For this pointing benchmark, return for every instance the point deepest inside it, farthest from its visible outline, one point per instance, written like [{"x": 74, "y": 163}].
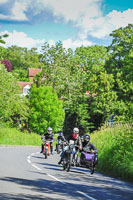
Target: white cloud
[
  {"x": 22, "y": 40},
  {"x": 86, "y": 15},
  {"x": 73, "y": 10},
  {"x": 51, "y": 43},
  {"x": 3, "y": 1},
  {"x": 102, "y": 26},
  {"x": 18, "y": 11},
  {"x": 76, "y": 43},
  {"x": 120, "y": 19}
]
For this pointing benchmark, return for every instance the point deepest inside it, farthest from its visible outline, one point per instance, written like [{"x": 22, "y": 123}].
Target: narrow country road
[{"x": 25, "y": 174}]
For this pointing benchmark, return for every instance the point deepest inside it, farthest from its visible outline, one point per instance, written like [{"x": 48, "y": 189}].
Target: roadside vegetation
[
  {"x": 13, "y": 136},
  {"x": 115, "y": 150}
]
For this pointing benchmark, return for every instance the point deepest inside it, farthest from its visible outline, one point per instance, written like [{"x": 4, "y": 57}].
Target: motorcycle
[
  {"x": 87, "y": 160},
  {"x": 70, "y": 156},
  {"x": 46, "y": 150},
  {"x": 59, "y": 146}
]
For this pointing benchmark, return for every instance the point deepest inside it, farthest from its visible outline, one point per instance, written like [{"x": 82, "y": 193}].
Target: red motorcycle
[{"x": 46, "y": 150}]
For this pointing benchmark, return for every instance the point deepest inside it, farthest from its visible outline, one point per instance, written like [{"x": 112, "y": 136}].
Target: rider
[
  {"x": 77, "y": 142},
  {"x": 60, "y": 137},
  {"x": 50, "y": 137},
  {"x": 87, "y": 146}
]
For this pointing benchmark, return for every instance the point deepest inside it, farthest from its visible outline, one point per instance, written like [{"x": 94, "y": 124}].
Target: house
[
  {"x": 33, "y": 72},
  {"x": 25, "y": 86}
]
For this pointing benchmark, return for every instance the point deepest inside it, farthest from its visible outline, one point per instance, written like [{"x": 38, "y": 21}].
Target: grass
[
  {"x": 12, "y": 136},
  {"x": 115, "y": 151}
]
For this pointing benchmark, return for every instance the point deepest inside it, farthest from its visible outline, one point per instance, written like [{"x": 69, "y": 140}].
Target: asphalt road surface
[{"x": 25, "y": 174}]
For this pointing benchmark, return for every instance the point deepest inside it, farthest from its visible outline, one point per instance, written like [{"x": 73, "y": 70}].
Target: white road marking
[
  {"x": 84, "y": 194},
  {"x": 28, "y": 161},
  {"x": 56, "y": 178},
  {"x": 35, "y": 166}
]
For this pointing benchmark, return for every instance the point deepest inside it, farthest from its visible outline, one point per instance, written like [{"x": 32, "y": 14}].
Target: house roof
[
  {"x": 33, "y": 72},
  {"x": 22, "y": 84}
]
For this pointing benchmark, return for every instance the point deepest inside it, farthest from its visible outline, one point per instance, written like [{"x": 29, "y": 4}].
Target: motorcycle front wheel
[{"x": 46, "y": 154}]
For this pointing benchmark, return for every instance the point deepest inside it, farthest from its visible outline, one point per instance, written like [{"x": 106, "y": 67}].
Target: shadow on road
[{"x": 45, "y": 187}]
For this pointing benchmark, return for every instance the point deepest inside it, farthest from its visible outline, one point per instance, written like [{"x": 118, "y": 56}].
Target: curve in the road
[{"x": 33, "y": 165}]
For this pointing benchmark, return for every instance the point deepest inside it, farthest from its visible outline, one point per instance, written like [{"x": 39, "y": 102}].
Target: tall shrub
[{"x": 45, "y": 110}]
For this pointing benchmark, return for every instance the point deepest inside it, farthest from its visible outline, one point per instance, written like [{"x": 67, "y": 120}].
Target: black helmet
[{"x": 87, "y": 137}]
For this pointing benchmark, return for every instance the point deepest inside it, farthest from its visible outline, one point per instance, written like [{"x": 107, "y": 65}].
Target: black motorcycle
[
  {"x": 70, "y": 158},
  {"x": 59, "y": 146}
]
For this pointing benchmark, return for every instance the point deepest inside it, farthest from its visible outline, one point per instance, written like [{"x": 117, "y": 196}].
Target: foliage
[
  {"x": 71, "y": 75},
  {"x": 2, "y": 38},
  {"x": 115, "y": 152},
  {"x": 120, "y": 64},
  {"x": 7, "y": 64},
  {"x": 104, "y": 72},
  {"x": 12, "y": 105},
  {"x": 45, "y": 110},
  {"x": 12, "y": 136},
  {"x": 22, "y": 59}
]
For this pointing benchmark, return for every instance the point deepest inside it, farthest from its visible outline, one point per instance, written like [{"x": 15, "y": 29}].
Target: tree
[
  {"x": 45, "y": 110},
  {"x": 22, "y": 59},
  {"x": 7, "y": 64},
  {"x": 13, "y": 107},
  {"x": 120, "y": 64}
]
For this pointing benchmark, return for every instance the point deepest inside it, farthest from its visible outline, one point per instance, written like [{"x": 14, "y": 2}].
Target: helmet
[
  {"x": 75, "y": 133},
  {"x": 75, "y": 130},
  {"x": 87, "y": 138},
  {"x": 49, "y": 130},
  {"x": 60, "y": 134}
]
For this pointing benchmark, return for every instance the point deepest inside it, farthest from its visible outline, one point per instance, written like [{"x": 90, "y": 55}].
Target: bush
[
  {"x": 7, "y": 64},
  {"x": 46, "y": 110},
  {"x": 115, "y": 151}
]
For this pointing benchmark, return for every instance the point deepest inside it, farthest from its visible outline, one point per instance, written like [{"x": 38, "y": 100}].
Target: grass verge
[{"x": 115, "y": 151}]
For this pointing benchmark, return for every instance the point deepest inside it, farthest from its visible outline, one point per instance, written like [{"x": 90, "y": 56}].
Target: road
[{"x": 25, "y": 174}]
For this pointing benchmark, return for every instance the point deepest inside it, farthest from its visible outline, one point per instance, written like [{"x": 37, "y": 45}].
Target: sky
[{"x": 31, "y": 23}]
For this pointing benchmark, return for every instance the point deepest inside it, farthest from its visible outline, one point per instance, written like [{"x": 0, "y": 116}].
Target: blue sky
[{"x": 30, "y": 23}]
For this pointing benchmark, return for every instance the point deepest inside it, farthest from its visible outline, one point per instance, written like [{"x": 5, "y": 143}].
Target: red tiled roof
[
  {"x": 23, "y": 84},
  {"x": 33, "y": 72}
]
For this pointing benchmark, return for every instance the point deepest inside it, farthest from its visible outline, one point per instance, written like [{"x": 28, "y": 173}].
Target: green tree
[
  {"x": 22, "y": 59},
  {"x": 13, "y": 106},
  {"x": 45, "y": 110},
  {"x": 120, "y": 64}
]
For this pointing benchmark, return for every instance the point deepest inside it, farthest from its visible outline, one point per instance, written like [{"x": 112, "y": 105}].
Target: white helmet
[
  {"x": 49, "y": 129},
  {"x": 75, "y": 130}
]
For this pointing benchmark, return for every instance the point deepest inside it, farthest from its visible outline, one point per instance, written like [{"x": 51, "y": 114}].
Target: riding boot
[
  {"x": 60, "y": 161},
  {"x": 42, "y": 148},
  {"x": 51, "y": 148}
]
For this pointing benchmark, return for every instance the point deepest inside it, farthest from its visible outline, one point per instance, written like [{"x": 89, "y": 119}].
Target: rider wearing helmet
[
  {"x": 61, "y": 136},
  {"x": 87, "y": 146},
  {"x": 77, "y": 142},
  {"x": 48, "y": 136}
]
